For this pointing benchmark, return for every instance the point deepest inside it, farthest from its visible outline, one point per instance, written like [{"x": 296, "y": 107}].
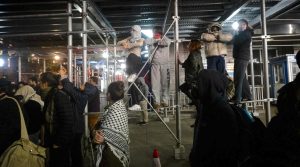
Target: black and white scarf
[{"x": 114, "y": 125}]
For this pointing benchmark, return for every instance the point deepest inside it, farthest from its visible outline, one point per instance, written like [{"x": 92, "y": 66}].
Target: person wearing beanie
[
  {"x": 160, "y": 74},
  {"x": 134, "y": 45},
  {"x": 241, "y": 55},
  {"x": 215, "y": 47}
]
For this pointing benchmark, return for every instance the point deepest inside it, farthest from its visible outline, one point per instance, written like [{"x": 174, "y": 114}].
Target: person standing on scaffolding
[
  {"x": 134, "y": 45},
  {"x": 160, "y": 75}
]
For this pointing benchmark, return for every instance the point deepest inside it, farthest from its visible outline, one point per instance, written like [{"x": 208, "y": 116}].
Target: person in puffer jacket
[{"x": 215, "y": 47}]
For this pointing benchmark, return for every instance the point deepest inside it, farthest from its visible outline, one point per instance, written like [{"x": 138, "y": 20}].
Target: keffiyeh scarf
[{"x": 114, "y": 125}]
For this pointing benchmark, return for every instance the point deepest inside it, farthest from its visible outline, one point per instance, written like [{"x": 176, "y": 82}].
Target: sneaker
[
  {"x": 131, "y": 78},
  {"x": 163, "y": 104},
  {"x": 135, "y": 108},
  {"x": 142, "y": 123}
]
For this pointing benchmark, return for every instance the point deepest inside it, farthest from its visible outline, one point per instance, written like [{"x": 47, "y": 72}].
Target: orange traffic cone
[{"x": 156, "y": 160}]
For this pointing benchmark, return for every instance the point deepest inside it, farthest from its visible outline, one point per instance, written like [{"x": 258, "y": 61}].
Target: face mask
[{"x": 157, "y": 36}]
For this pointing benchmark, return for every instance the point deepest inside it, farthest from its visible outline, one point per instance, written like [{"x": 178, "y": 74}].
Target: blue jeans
[
  {"x": 242, "y": 89},
  {"x": 216, "y": 63}
]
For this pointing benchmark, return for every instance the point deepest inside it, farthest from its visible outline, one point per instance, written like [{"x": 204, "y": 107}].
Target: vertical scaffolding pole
[
  {"x": 70, "y": 42},
  {"x": 84, "y": 63},
  {"x": 19, "y": 68},
  {"x": 75, "y": 72},
  {"x": 115, "y": 56},
  {"x": 179, "y": 150},
  {"x": 44, "y": 65},
  {"x": 266, "y": 61},
  {"x": 107, "y": 59},
  {"x": 252, "y": 77}
]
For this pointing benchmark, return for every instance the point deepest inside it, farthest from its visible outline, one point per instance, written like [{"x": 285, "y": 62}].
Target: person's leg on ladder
[
  {"x": 165, "y": 82},
  {"x": 155, "y": 82}
]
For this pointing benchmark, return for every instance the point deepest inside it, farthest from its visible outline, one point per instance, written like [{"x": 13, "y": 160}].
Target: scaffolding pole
[
  {"x": 179, "y": 149},
  {"x": 252, "y": 77},
  {"x": 19, "y": 68},
  {"x": 84, "y": 64},
  {"x": 107, "y": 63},
  {"x": 266, "y": 64},
  {"x": 70, "y": 42},
  {"x": 44, "y": 65},
  {"x": 115, "y": 56}
]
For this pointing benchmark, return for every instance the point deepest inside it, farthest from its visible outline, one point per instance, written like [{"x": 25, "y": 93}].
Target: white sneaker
[
  {"x": 131, "y": 78},
  {"x": 135, "y": 108}
]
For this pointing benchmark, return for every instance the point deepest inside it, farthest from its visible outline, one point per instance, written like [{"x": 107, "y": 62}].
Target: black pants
[
  {"x": 242, "y": 89},
  {"x": 76, "y": 153},
  {"x": 60, "y": 157},
  {"x": 133, "y": 64}
]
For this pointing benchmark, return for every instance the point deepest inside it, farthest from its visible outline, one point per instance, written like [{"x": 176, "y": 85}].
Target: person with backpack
[{"x": 59, "y": 120}]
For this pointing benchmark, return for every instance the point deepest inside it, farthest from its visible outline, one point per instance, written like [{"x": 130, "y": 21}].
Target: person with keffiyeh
[{"x": 111, "y": 132}]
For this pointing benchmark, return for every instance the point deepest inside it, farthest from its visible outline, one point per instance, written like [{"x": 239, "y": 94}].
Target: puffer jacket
[{"x": 216, "y": 46}]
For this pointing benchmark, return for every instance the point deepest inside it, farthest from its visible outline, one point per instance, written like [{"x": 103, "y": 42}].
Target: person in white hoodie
[{"x": 215, "y": 47}]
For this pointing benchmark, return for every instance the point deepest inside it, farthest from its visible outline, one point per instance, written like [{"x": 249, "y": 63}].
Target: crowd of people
[{"x": 53, "y": 107}]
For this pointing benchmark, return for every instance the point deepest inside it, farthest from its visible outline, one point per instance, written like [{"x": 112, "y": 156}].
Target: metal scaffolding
[{"x": 266, "y": 60}]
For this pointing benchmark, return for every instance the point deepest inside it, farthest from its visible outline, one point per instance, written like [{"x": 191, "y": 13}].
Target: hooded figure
[
  {"x": 33, "y": 106},
  {"x": 215, "y": 47},
  {"x": 216, "y": 129}
]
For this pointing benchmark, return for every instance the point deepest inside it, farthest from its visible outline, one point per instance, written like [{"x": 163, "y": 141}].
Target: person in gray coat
[{"x": 160, "y": 75}]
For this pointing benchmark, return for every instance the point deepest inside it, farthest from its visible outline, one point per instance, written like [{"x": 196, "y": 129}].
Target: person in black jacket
[
  {"x": 241, "y": 55},
  {"x": 192, "y": 67},
  {"x": 90, "y": 88},
  {"x": 9, "y": 117},
  {"x": 216, "y": 129},
  {"x": 79, "y": 100},
  {"x": 59, "y": 118}
]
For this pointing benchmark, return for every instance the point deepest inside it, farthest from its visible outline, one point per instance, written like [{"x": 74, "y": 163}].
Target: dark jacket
[
  {"x": 35, "y": 116},
  {"x": 241, "y": 44},
  {"x": 93, "y": 94},
  {"x": 282, "y": 146},
  {"x": 216, "y": 129},
  {"x": 192, "y": 65},
  {"x": 79, "y": 101},
  {"x": 9, "y": 123},
  {"x": 59, "y": 129}
]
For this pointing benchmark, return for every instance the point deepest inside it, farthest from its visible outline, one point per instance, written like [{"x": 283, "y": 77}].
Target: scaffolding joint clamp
[
  {"x": 176, "y": 17},
  {"x": 266, "y": 37}
]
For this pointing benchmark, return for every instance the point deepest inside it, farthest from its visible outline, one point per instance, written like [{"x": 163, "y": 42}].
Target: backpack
[{"x": 23, "y": 152}]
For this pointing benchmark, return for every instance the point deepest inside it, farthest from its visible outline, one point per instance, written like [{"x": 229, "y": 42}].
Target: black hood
[{"x": 210, "y": 86}]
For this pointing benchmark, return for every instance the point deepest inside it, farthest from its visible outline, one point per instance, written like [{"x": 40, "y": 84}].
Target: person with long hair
[
  {"x": 192, "y": 65},
  {"x": 112, "y": 134},
  {"x": 241, "y": 55}
]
